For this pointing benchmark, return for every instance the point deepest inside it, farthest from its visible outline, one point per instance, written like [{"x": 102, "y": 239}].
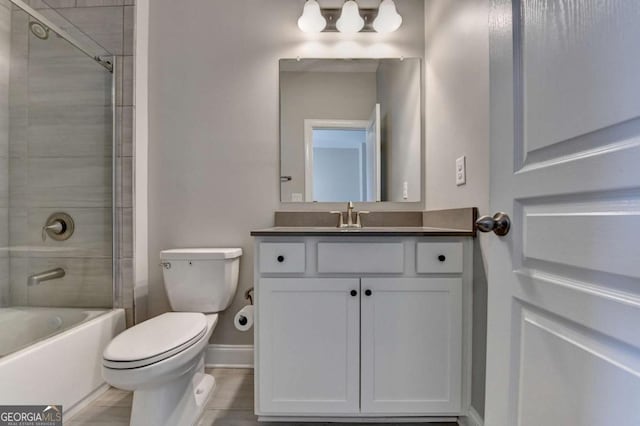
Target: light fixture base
[{"x": 332, "y": 15}]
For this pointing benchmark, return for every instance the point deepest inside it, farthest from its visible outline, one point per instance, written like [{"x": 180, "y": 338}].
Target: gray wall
[
  {"x": 213, "y": 111},
  {"x": 400, "y": 128},
  {"x": 457, "y": 111},
  {"x": 335, "y": 95}
]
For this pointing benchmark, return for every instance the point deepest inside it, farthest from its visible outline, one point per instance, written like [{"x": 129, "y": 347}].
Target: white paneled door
[{"x": 564, "y": 284}]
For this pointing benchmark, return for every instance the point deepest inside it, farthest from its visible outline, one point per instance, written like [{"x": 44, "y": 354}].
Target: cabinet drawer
[
  {"x": 439, "y": 257},
  {"x": 282, "y": 258},
  {"x": 383, "y": 258}
]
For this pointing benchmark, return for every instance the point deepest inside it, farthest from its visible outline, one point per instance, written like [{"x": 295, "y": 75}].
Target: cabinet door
[
  {"x": 411, "y": 345},
  {"x": 308, "y": 342}
]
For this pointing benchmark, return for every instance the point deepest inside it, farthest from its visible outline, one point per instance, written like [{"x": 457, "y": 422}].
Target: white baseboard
[
  {"x": 229, "y": 356},
  {"x": 472, "y": 419},
  {"x": 68, "y": 414}
]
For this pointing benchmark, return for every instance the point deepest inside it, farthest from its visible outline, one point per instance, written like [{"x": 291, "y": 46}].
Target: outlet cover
[{"x": 461, "y": 171}]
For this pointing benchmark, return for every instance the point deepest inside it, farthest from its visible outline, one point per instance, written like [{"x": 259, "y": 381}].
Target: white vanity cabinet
[{"x": 362, "y": 327}]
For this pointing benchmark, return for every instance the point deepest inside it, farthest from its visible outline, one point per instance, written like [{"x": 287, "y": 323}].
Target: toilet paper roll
[{"x": 244, "y": 318}]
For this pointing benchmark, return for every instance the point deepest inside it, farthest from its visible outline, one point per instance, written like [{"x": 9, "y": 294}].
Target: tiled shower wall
[{"x": 61, "y": 159}]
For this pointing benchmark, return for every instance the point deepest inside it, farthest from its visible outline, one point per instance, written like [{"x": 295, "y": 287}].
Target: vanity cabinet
[
  {"x": 357, "y": 327},
  {"x": 411, "y": 338}
]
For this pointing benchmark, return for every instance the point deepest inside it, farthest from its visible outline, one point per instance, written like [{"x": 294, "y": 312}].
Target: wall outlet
[
  {"x": 296, "y": 197},
  {"x": 405, "y": 190},
  {"x": 461, "y": 171}
]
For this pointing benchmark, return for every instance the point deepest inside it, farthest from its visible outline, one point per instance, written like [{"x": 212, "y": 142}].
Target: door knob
[{"x": 499, "y": 224}]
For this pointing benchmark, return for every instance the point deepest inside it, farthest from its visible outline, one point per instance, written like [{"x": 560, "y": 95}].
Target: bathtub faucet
[{"x": 51, "y": 274}]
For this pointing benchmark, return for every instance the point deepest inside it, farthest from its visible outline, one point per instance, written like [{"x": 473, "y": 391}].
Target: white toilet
[{"x": 162, "y": 360}]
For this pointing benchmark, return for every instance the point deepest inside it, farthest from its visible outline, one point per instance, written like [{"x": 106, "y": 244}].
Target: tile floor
[{"x": 230, "y": 405}]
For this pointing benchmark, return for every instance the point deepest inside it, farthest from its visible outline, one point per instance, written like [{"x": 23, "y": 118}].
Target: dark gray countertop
[{"x": 399, "y": 231}]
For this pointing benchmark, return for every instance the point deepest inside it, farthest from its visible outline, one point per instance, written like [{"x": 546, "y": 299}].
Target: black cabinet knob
[
  {"x": 442, "y": 258},
  {"x": 367, "y": 292},
  {"x": 280, "y": 258},
  {"x": 354, "y": 293}
]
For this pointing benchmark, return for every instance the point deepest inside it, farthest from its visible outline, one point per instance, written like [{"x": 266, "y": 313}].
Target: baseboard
[
  {"x": 229, "y": 356},
  {"x": 69, "y": 413},
  {"x": 472, "y": 419}
]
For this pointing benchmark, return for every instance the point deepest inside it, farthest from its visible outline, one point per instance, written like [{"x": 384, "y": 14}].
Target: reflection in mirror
[{"x": 350, "y": 130}]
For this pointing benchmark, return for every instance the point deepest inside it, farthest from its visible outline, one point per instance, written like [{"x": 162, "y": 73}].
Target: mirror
[{"x": 350, "y": 130}]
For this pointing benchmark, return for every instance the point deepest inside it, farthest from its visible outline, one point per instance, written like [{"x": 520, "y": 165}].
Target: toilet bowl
[{"x": 162, "y": 359}]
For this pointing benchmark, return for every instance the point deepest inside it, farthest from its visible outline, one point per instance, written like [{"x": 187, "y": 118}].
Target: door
[
  {"x": 411, "y": 345},
  {"x": 564, "y": 283},
  {"x": 373, "y": 156},
  {"x": 308, "y": 337}
]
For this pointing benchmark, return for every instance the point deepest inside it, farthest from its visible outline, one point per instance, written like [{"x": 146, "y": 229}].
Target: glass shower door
[{"x": 56, "y": 124}]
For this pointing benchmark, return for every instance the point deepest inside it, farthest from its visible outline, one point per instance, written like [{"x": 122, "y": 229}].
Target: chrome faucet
[
  {"x": 51, "y": 274},
  {"x": 351, "y": 223}
]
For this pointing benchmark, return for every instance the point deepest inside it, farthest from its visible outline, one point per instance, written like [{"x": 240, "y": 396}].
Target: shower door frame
[{"x": 110, "y": 63}]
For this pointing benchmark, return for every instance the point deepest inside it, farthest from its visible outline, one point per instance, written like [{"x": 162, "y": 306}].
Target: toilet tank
[{"x": 200, "y": 279}]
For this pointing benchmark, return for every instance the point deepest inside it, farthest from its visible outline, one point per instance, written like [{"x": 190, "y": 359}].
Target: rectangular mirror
[{"x": 350, "y": 130}]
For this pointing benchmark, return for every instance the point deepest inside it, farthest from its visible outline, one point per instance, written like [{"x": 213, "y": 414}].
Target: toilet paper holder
[
  {"x": 240, "y": 318},
  {"x": 249, "y": 295}
]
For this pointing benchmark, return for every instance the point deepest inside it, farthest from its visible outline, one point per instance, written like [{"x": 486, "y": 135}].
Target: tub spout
[{"x": 51, "y": 274}]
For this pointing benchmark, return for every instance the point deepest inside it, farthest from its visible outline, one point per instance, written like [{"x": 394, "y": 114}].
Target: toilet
[{"x": 162, "y": 359}]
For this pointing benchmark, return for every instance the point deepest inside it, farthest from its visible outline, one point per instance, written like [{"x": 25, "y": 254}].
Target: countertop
[{"x": 389, "y": 231}]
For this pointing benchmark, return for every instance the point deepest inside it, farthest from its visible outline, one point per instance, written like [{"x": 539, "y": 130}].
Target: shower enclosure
[{"x": 57, "y": 151}]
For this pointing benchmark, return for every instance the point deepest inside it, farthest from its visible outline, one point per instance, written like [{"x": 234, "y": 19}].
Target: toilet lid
[{"x": 155, "y": 339}]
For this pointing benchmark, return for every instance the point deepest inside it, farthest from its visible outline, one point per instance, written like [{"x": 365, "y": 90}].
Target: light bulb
[
  {"x": 388, "y": 19},
  {"x": 311, "y": 20},
  {"x": 350, "y": 20}
]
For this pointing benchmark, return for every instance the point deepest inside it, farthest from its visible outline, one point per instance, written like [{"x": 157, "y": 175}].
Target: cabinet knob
[
  {"x": 442, "y": 258},
  {"x": 354, "y": 293},
  {"x": 367, "y": 292},
  {"x": 280, "y": 258}
]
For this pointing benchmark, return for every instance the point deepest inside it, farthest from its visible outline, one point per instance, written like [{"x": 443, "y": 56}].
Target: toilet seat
[{"x": 155, "y": 340}]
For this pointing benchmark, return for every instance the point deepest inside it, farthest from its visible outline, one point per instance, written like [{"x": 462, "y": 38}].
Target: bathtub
[{"x": 63, "y": 366}]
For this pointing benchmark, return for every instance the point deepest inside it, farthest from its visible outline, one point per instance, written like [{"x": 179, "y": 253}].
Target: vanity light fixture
[
  {"x": 388, "y": 19},
  {"x": 311, "y": 20},
  {"x": 349, "y": 19}
]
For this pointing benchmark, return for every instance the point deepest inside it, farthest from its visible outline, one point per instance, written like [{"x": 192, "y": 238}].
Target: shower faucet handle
[{"x": 59, "y": 226}]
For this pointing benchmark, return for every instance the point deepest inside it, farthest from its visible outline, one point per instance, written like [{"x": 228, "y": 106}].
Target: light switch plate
[{"x": 461, "y": 171}]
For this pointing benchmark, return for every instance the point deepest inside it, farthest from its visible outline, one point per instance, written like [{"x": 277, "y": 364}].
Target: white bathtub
[{"x": 64, "y": 365}]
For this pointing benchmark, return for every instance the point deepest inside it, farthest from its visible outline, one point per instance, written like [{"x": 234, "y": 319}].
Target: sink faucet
[
  {"x": 51, "y": 274},
  {"x": 350, "y": 217}
]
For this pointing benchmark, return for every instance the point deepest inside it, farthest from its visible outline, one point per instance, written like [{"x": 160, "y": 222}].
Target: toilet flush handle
[{"x": 166, "y": 265}]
